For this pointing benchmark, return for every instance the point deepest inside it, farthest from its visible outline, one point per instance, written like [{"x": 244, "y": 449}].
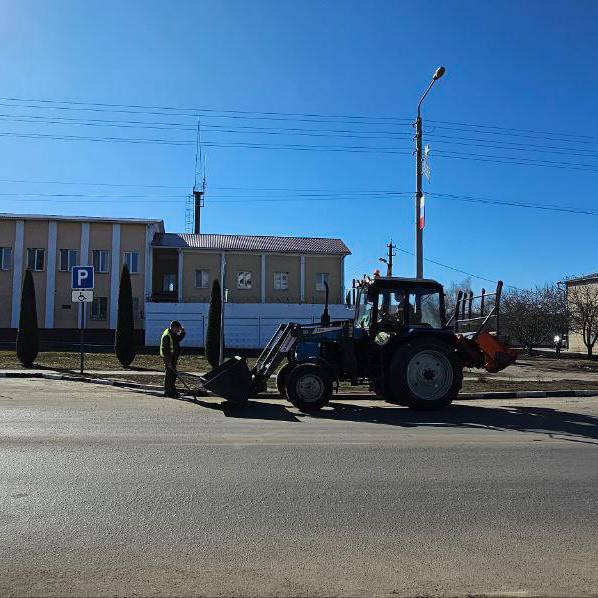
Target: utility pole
[
  {"x": 419, "y": 194},
  {"x": 388, "y": 260},
  {"x": 391, "y": 254}
]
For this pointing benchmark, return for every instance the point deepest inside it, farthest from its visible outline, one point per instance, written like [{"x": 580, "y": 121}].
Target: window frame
[
  {"x": 98, "y": 270},
  {"x": 3, "y": 261},
  {"x": 244, "y": 280},
  {"x": 98, "y": 317},
  {"x": 69, "y": 253},
  {"x": 37, "y": 251},
  {"x": 131, "y": 253},
  {"x": 204, "y": 273},
  {"x": 279, "y": 277}
]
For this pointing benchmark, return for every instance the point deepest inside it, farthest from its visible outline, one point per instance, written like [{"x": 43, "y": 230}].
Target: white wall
[{"x": 246, "y": 326}]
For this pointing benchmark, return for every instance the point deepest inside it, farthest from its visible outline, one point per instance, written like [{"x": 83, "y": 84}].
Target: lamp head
[{"x": 439, "y": 72}]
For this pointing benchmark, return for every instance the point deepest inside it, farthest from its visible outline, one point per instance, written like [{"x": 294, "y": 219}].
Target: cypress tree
[
  {"x": 28, "y": 334},
  {"x": 212, "y": 349},
  {"x": 124, "y": 337}
]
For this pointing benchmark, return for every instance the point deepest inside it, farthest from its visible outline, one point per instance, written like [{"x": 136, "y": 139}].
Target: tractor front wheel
[
  {"x": 425, "y": 375},
  {"x": 308, "y": 386}
]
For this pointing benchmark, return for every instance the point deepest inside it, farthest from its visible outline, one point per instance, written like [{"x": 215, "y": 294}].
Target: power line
[
  {"x": 507, "y": 129},
  {"x": 455, "y": 269},
  {"x": 498, "y": 202},
  {"x": 290, "y": 131},
  {"x": 194, "y": 112}
]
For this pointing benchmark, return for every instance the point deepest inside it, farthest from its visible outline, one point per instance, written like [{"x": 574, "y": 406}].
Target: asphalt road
[{"x": 108, "y": 492}]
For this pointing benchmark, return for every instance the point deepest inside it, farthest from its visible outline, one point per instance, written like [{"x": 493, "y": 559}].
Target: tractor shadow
[
  {"x": 552, "y": 422},
  {"x": 250, "y": 410}
]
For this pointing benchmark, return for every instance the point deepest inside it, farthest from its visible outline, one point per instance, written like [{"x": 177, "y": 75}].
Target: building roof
[
  {"x": 82, "y": 219},
  {"x": 248, "y": 243},
  {"x": 583, "y": 278}
]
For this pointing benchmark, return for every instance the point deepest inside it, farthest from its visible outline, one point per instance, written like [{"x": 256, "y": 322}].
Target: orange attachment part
[{"x": 497, "y": 356}]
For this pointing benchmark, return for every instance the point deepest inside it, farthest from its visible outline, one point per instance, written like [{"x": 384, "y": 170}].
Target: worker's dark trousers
[{"x": 170, "y": 376}]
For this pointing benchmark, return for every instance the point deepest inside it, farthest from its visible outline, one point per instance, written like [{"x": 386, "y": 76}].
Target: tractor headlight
[{"x": 382, "y": 338}]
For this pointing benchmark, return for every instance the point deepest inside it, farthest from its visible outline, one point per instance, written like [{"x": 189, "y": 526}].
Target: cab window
[
  {"x": 424, "y": 308},
  {"x": 364, "y": 310}
]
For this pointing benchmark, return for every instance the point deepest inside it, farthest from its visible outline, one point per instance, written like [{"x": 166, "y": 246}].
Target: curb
[
  {"x": 82, "y": 378},
  {"x": 522, "y": 394}
]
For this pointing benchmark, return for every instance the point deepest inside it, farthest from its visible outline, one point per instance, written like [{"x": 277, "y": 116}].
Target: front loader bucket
[
  {"x": 497, "y": 355},
  {"x": 486, "y": 351},
  {"x": 231, "y": 380}
]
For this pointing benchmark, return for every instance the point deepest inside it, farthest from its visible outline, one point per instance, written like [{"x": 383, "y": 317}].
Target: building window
[
  {"x": 131, "y": 259},
  {"x": 99, "y": 308},
  {"x": 35, "y": 259},
  {"x": 5, "y": 258},
  {"x": 244, "y": 280},
  {"x": 281, "y": 281},
  {"x": 169, "y": 283},
  {"x": 100, "y": 258},
  {"x": 321, "y": 278},
  {"x": 202, "y": 278},
  {"x": 68, "y": 259}
]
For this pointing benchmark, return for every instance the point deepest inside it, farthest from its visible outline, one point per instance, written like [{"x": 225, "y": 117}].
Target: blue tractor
[{"x": 399, "y": 343}]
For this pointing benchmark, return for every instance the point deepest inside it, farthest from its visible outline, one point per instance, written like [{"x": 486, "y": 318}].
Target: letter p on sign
[{"x": 82, "y": 277}]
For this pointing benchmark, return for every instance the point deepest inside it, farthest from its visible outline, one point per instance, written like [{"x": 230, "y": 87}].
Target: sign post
[{"x": 82, "y": 283}]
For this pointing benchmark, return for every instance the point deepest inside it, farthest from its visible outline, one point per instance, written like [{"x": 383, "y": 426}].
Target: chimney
[{"x": 197, "y": 199}]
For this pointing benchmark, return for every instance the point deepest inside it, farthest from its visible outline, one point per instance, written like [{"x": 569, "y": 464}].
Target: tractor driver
[
  {"x": 170, "y": 350},
  {"x": 390, "y": 308}
]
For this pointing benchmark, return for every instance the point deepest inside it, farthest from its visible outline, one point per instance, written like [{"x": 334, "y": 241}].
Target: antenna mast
[{"x": 198, "y": 192}]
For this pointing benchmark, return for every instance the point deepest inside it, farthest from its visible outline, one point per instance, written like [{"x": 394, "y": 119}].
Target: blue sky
[{"x": 520, "y": 66}]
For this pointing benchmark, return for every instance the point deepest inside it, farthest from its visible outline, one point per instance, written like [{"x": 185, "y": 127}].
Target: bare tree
[
  {"x": 450, "y": 294},
  {"x": 532, "y": 316},
  {"x": 583, "y": 313}
]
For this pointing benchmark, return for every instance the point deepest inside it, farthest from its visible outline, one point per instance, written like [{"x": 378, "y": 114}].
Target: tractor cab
[{"x": 397, "y": 305}]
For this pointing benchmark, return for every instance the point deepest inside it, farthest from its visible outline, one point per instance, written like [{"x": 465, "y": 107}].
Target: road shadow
[
  {"x": 542, "y": 420},
  {"x": 250, "y": 410},
  {"x": 554, "y": 423}
]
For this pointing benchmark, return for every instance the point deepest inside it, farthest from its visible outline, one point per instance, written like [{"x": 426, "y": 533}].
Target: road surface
[{"x": 109, "y": 492}]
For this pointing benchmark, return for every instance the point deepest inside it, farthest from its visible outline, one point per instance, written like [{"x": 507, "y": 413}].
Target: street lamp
[{"x": 419, "y": 224}]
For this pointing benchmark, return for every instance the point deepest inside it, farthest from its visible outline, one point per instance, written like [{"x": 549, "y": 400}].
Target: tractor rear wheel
[
  {"x": 425, "y": 374},
  {"x": 309, "y": 386}
]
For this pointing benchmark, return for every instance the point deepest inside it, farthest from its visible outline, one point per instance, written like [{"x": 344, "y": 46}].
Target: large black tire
[
  {"x": 425, "y": 375},
  {"x": 281, "y": 379},
  {"x": 309, "y": 386}
]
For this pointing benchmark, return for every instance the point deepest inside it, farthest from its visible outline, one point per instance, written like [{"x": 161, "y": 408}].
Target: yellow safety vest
[{"x": 169, "y": 335}]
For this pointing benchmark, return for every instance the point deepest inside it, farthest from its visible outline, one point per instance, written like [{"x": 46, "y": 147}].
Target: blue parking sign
[{"x": 82, "y": 277}]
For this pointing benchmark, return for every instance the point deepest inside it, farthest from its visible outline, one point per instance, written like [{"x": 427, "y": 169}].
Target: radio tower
[{"x": 198, "y": 191}]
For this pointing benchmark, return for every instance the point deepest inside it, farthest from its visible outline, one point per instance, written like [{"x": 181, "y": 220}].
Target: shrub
[{"x": 28, "y": 334}]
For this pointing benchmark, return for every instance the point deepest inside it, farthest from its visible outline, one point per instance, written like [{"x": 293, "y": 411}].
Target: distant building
[
  {"x": 575, "y": 339},
  {"x": 268, "y": 279}
]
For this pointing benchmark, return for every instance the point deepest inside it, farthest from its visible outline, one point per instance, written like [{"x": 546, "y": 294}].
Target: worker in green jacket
[{"x": 170, "y": 350}]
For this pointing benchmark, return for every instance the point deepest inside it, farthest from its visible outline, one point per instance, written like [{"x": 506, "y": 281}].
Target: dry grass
[{"x": 101, "y": 361}]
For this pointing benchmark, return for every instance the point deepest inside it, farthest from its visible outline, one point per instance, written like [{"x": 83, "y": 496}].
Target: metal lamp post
[{"x": 419, "y": 231}]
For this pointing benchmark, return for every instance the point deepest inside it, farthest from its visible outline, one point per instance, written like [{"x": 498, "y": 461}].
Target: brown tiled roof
[{"x": 252, "y": 243}]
